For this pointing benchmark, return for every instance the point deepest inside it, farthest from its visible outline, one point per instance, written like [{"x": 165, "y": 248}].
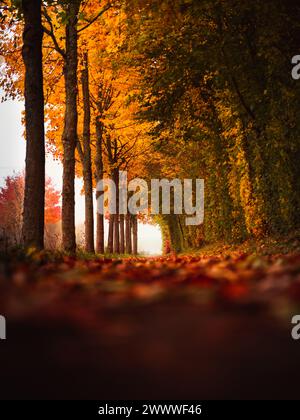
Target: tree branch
[
  {"x": 80, "y": 150},
  {"x": 90, "y": 22},
  {"x": 50, "y": 32}
]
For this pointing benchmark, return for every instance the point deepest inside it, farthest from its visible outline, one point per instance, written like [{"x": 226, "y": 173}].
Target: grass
[
  {"x": 271, "y": 245},
  {"x": 274, "y": 245}
]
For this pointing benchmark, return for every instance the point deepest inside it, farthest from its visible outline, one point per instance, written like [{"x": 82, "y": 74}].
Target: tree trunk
[
  {"x": 86, "y": 160},
  {"x": 70, "y": 128},
  {"x": 122, "y": 234},
  {"x": 100, "y": 234},
  {"x": 128, "y": 234},
  {"x": 99, "y": 177},
  {"x": 116, "y": 234},
  {"x": 111, "y": 234},
  {"x": 116, "y": 216},
  {"x": 135, "y": 235},
  {"x": 34, "y": 198}
]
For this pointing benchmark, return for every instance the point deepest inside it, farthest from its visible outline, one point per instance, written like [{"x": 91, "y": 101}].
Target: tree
[
  {"x": 69, "y": 139},
  {"x": 85, "y": 155},
  {"x": 217, "y": 86},
  {"x": 109, "y": 87},
  {"x": 128, "y": 236},
  {"x": 99, "y": 173},
  {"x": 135, "y": 235},
  {"x": 102, "y": 104},
  {"x": 70, "y": 13},
  {"x": 11, "y": 210},
  {"x": 33, "y": 220}
]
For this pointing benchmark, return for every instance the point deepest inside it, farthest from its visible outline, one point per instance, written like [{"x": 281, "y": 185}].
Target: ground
[{"x": 187, "y": 327}]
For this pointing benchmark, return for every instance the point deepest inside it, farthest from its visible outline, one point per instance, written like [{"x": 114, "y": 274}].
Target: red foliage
[
  {"x": 52, "y": 203},
  {"x": 162, "y": 319},
  {"x": 11, "y": 201}
]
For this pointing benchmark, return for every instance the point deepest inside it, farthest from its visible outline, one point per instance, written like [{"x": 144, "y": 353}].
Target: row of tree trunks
[
  {"x": 123, "y": 235},
  {"x": 122, "y": 230}
]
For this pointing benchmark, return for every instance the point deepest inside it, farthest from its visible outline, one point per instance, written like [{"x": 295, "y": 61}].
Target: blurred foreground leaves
[{"x": 270, "y": 283}]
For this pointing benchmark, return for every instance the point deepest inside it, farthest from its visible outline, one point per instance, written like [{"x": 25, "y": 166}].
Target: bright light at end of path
[{"x": 150, "y": 239}]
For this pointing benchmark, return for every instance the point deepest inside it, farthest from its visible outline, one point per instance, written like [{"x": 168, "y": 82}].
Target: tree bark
[
  {"x": 34, "y": 198},
  {"x": 116, "y": 216},
  {"x": 122, "y": 234},
  {"x": 116, "y": 234},
  {"x": 99, "y": 177},
  {"x": 135, "y": 235},
  {"x": 86, "y": 160},
  {"x": 70, "y": 128},
  {"x": 111, "y": 234},
  {"x": 100, "y": 234},
  {"x": 128, "y": 234}
]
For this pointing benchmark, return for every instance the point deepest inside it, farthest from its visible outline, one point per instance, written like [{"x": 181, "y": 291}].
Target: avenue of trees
[{"x": 162, "y": 89}]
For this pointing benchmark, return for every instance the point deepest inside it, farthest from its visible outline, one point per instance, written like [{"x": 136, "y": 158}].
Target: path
[{"x": 151, "y": 328}]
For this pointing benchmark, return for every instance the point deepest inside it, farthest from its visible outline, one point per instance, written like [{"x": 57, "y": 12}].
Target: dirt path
[{"x": 186, "y": 328}]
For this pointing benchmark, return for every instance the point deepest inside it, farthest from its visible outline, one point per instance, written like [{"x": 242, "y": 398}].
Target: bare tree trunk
[
  {"x": 70, "y": 128},
  {"x": 116, "y": 216},
  {"x": 128, "y": 234},
  {"x": 122, "y": 234},
  {"x": 100, "y": 234},
  {"x": 135, "y": 235},
  {"x": 86, "y": 160},
  {"x": 34, "y": 199},
  {"x": 116, "y": 234},
  {"x": 99, "y": 177},
  {"x": 111, "y": 234}
]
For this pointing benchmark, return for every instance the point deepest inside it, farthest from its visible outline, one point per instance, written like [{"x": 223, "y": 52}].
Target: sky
[{"x": 12, "y": 160}]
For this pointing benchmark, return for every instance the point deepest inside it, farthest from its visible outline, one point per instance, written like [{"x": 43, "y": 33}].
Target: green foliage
[{"x": 216, "y": 83}]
